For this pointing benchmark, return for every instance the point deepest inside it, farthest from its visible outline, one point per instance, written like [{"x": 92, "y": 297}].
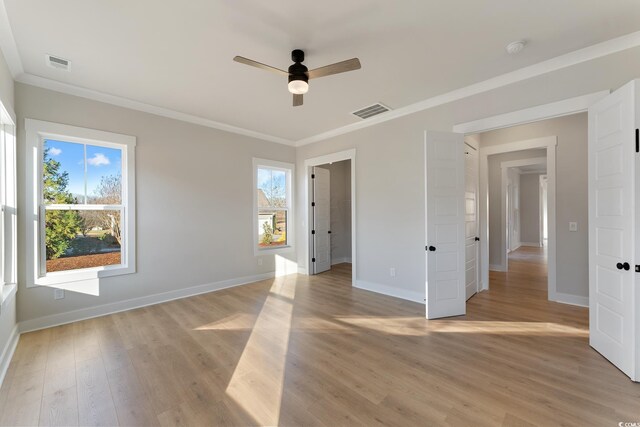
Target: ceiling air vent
[
  {"x": 57, "y": 62},
  {"x": 371, "y": 110}
]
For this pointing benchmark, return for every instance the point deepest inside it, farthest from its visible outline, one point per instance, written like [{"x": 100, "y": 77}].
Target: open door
[
  {"x": 445, "y": 224},
  {"x": 612, "y": 231},
  {"x": 321, "y": 232},
  {"x": 471, "y": 220}
]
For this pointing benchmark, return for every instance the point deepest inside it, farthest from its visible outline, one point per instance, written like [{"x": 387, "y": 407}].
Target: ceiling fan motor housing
[{"x": 298, "y": 71}]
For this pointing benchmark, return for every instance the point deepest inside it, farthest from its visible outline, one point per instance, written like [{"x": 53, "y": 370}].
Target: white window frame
[
  {"x": 289, "y": 169},
  {"x": 36, "y": 133},
  {"x": 8, "y": 207}
]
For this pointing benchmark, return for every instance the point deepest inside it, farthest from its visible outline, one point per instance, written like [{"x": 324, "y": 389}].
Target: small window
[
  {"x": 272, "y": 196},
  {"x": 83, "y": 201}
]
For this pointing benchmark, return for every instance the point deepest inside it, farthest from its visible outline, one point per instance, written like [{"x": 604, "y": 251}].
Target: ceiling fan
[{"x": 299, "y": 74}]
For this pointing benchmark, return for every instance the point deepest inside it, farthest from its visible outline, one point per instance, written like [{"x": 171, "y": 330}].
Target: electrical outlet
[
  {"x": 260, "y": 261},
  {"x": 58, "y": 293},
  {"x": 392, "y": 272},
  {"x": 573, "y": 226}
]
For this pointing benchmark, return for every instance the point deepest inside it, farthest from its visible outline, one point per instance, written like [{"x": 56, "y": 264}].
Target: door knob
[
  {"x": 623, "y": 266},
  {"x": 477, "y": 239},
  {"x": 432, "y": 248}
]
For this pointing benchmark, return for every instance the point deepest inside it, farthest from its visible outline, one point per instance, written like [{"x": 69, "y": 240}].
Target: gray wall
[
  {"x": 571, "y": 193},
  {"x": 8, "y": 312},
  {"x": 340, "y": 210},
  {"x": 530, "y": 208},
  {"x": 497, "y": 248},
  {"x": 194, "y": 201}
]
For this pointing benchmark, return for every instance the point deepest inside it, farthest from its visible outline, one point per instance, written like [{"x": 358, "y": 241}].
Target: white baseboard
[
  {"x": 303, "y": 270},
  {"x": 570, "y": 299},
  {"x": 342, "y": 260},
  {"x": 7, "y": 352},
  {"x": 390, "y": 291},
  {"x": 534, "y": 244},
  {"x": 103, "y": 310},
  {"x": 497, "y": 267},
  {"x": 516, "y": 246}
]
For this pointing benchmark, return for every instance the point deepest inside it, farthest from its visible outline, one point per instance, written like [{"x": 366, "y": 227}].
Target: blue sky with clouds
[{"x": 100, "y": 161}]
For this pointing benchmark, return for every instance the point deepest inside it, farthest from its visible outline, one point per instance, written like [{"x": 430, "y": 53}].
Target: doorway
[
  {"x": 520, "y": 212},
  {"x": 342, "y": 254},
  {"x": 331, "y": 214}
]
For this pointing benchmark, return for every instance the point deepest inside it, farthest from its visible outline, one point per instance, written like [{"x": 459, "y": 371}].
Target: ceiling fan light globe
[{"x": 298, "y": 87}]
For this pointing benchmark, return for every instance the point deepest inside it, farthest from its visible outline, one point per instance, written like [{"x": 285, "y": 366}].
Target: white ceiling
[{"x": 178, "y": 55}]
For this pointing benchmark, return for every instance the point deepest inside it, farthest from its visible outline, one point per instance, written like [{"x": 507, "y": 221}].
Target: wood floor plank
[{"x": 95, "y": 403}]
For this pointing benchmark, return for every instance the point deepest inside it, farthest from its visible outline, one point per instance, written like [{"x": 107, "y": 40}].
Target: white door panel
[
  {"x": 612, "y": 227},
  {"x": 471, "y": 221},
  {"x": 322, "y": 220},
  {"x": 445, "y": 224}
]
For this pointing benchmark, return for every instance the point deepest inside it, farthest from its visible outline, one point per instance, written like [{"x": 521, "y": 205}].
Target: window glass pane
[
  {"x": 272, "y": 228},
  {"x": 272, "y": 188},
  {"x": 63, "y": 172},
  {"x": 104, "y": 175},
  {"x": 82, "y": 239}
]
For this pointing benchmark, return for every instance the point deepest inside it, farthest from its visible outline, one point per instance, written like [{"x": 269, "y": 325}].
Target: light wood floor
[{"x": 314, "y": 351}]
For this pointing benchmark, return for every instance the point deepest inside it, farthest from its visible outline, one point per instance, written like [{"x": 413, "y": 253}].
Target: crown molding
[
  {"x": 554, "y": 64},
  {"x": 69, "y": 89}
]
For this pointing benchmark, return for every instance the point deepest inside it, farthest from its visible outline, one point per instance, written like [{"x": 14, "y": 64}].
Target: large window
[
  {"x": 83, "y": 203},
  {"x": 272, "y": 209}
]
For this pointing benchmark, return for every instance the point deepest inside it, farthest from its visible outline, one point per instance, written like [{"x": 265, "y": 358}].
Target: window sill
[
  {"x": 8, "y": 293},
  {"x": 274, "y": 251},
  {"x": 84, "y": 275}
]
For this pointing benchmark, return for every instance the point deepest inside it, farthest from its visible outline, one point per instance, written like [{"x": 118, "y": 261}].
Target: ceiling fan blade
[
  {"x": 297, "y": 100},
  {"x": 338, "y": 67},
  {"x": 247, "y": 61}
]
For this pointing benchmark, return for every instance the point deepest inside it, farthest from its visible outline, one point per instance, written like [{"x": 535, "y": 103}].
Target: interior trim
[
  {"x": 7, "y": 352},
  {"x": 141, "y": 106}
]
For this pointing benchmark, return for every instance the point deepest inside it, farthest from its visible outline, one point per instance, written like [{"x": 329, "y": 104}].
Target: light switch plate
[{"x": 573, "y": 226}]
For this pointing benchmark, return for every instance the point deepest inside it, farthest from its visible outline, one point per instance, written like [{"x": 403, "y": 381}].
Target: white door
[
  {"x": 445, "y": 222},
  {"x": 321, "y": 220},
  {"x": 612, "y": 160},
  {"x": 471, "y": 220}
]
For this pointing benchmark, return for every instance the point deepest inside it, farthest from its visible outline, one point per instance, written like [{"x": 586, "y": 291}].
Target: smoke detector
[{"x": 516, "y": 47}]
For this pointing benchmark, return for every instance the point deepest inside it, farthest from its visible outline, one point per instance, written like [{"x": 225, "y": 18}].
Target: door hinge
[
  {"x": 313, "y": 231},
  {"x": 313, "y": 203},
  {"x": 637, "y": 268},
  {"x": 313, "y": 176},
  {"x": 637, "y": 140},
  {"x": 313, "y": 260}
]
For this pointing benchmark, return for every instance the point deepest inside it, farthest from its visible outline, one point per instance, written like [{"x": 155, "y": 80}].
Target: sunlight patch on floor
[
  {"x": 257, "y": 381},
  {"x": 234, "y": 322},
  {"x": 507, "y": 328},
  {"x": 416, "y": 326}
]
